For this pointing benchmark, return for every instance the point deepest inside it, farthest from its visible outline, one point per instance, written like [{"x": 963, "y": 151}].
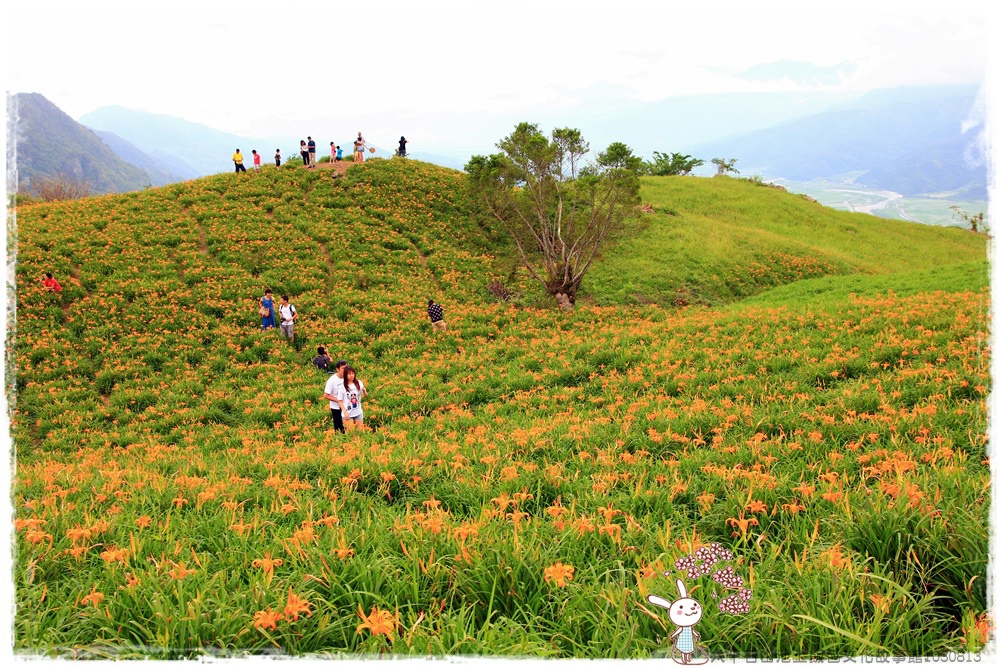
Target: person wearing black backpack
[
  {"x": 288, "y": 315},
  {"x": 322, "y": 360}
]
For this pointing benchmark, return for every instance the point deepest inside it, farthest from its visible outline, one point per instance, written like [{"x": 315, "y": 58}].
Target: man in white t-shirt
[
  {"x": 288, "y": 315},
  {"x": 332, "y": 392}
]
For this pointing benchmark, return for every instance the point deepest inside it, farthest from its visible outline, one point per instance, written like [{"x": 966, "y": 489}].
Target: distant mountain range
[
  {"x": 907, "y": 140},
  {"x": 187, "y": 147},
  {"x": 193, "y": 147},
  {"x": 161, "y": 172},
  {"x": 48, "y": 143}
]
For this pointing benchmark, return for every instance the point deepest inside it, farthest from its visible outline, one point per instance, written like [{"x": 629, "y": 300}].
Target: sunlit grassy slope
[
  {"x": 527, "y": 476},
  {"x": 715, "y": 240}
]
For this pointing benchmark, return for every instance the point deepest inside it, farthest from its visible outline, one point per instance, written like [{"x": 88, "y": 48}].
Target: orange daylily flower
[
  {"x": 267, "y": 564},
  {"x": 705, "y": 499},
  {"x": 267, "y": 619},
  {"x": 794, "y": 507},
  {"x": 34, "y": 536},
  {"x": 76, "y": 552},
  {"x": 112, "y": 555},
  {"x": 378, "y": 622},
  {"x": 95, "y": 598},
  {"x": 78, "y": 534},
  {"x": 559, "y": 574},
  {"x": 295, "y": 606},
  {"x": 180, "y": 572},
  {"x": 742, "y": 523}
]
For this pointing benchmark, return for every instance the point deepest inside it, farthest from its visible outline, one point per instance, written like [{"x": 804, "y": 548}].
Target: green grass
[
  {"x": 713, "y": 241},
  {"x": 167, "y": 448}
]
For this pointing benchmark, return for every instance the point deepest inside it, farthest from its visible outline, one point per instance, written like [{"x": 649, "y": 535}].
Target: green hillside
[
  {"x": 50, "y": 144},
  {"x": 716, "y": 240},
  {"x": 524, "y": 479}
]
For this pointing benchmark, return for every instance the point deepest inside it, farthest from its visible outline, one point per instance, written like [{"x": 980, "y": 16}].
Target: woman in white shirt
[{"x": 351, "y": 393}]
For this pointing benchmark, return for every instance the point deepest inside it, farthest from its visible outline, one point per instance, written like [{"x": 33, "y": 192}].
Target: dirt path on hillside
[{"x": 339, "y": 167}]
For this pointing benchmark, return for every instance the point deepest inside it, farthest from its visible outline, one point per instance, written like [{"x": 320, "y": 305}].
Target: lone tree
[
  {"x": 673, "y": 164},
  {"x": 725, "y": 166},
  {"x": 977, "y": 221},
  {"x": 558, "y": 212},
  {"x": 59, "y": 187}
]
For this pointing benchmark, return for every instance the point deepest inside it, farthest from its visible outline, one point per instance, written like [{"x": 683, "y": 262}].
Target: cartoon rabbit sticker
[{"x": 684, "y": 613}]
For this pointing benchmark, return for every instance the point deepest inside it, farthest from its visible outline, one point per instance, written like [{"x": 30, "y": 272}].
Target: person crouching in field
[
  {"x": 51, "y": 284},
  {"x": 436, "y": 313},
  {"x": 351, "y": 393},
  {"x": 322, "y": 360}
]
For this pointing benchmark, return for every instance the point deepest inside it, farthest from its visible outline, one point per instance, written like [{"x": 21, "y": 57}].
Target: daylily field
[{"x": 525, "y": 478}]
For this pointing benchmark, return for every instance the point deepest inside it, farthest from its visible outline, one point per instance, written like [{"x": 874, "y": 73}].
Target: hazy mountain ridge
[
  {"x": 50, "y": 144},
  {"x": 185, "y": 146},
  {"x": 159, "y": 174},
  {"x": 909, "y": 141}
]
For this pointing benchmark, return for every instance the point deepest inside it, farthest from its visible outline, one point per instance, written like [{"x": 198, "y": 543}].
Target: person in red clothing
[{"x": 51, "y": 284}]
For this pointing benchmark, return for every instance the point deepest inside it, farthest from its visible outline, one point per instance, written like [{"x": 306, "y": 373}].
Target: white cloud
[{"x": 239, "y": 65}]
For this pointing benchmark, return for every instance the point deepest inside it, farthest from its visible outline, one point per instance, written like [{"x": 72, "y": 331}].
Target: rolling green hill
[
  {"x": 522, "y": 480},
  {"x": 716, "y": 240}
]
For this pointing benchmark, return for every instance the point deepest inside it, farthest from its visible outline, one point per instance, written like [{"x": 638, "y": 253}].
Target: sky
[
  {"x": 268, "y": 69},
  {"x": 265, "y": 69}
]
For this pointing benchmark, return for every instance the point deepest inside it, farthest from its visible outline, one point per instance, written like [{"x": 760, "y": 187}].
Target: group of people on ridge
[{"x": 307, "y": 149}]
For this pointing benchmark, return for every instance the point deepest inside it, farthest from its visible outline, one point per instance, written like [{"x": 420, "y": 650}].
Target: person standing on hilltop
[
  {"x": 402, "y": 147},
  {"x": 256, "y": 160},
  {"x": 312, "y": 152},
  {"x": 238, "y": 161},
  {"x": 340, "y": 154},
  {"x": 359, "y": 147},
  {"x": 304, "y": 152},
  {"x": 277, "y": 157},
  {"x": 333, "y": 153}
]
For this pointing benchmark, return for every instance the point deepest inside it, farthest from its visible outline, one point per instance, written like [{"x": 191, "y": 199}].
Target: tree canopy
[
  {"x": 673, "y": 164},
  {"x": 558, "y": 211}
]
